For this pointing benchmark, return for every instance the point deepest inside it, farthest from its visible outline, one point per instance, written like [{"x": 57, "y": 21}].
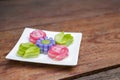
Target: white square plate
[{"x": 71, "y": 60}]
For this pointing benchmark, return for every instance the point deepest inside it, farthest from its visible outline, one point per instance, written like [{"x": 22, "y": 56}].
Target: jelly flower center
[{"x": 45, "y": 41}]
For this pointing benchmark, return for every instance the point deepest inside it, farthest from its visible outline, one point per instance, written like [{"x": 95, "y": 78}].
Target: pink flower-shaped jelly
[{"x": 35, "y": 35}]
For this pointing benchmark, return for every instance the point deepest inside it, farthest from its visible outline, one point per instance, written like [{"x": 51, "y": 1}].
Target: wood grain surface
[
  {"x": 112, "y": 74},
  {"x": 98, "y": 20}
]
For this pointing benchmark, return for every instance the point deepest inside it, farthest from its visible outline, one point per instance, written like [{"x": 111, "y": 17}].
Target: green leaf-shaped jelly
[
  {"x": 64, "y": 39},
  {"x": 28, "y": 50}
]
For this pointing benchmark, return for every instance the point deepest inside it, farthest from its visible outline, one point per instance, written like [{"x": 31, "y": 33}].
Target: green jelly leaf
[
  {"x": 26, "y": 45},
  {"x": 68, "y": 38},
  {"x": 26, "y": 50},
  {"x": 59, "y": 37},
  {"x": 23, "y": 47},
  {"x": 20, "y": 53},
  {"x": 64, "y": 39},
  {"x": 32, "y": 52}
]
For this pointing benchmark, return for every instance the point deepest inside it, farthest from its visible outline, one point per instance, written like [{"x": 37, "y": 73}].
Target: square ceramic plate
[{"x": 71, "y": 60}]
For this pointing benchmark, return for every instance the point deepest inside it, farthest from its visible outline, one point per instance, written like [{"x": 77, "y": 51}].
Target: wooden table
[{"x": 98, "y": 20}]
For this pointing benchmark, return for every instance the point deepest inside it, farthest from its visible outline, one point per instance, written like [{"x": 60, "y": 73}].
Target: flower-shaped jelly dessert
[
  {"x": 45, "y": 44},
  {"x": 28, "y": 50},
  {"x": 58, "y": 52},
  {"x": 35, "y": 35}
]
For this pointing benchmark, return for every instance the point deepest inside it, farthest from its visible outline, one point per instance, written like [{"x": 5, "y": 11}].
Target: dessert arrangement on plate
[
  {"x": 47, "y": 47},
  {"x": 39, "y": 43}
]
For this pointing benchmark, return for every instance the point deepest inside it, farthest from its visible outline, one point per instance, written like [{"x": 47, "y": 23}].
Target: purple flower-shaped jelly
[{"x": 45, "y": 43}]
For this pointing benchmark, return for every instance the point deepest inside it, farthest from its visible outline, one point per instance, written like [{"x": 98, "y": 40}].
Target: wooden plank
[
  {"x": 113, "y": 74},
  {"x": 17, "y": 14},
  {"x": 100, "y": 46}
]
